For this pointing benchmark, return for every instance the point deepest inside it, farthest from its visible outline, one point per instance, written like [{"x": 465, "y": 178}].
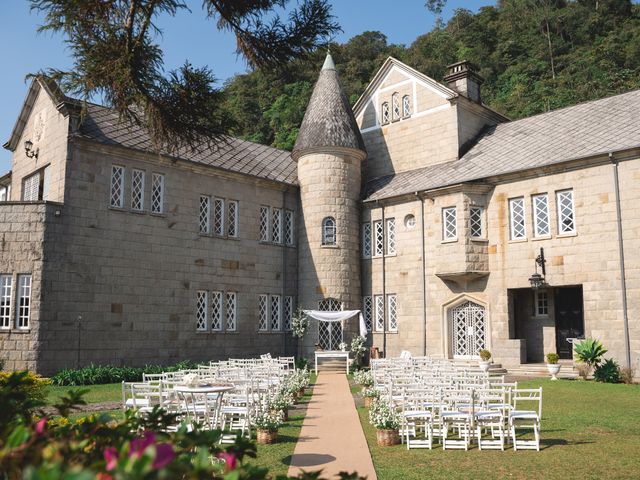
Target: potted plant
[
  {"x": 358, "y": 349},
  {"x": 485, "y": 360},
  {"x": 369, "y": 394},
  {"x": 386, "y": 420},
  {"x": 267, "y": 423},
  {"x": 363, "y": 377},
  {"x": 281, "y": 403},
  {"x": 552, "y": 365}
]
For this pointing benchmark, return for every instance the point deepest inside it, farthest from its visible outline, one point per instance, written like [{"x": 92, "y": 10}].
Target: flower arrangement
[
  {"x": 267, "y": 422},
  {"x": 299, "y": 323},
  {"x": 358, "y": 349},
  {"x": 363, "y": 377},
  {"x": 190, "y": 379},
  {"x": 370, "y": 392},
  {"x": 342, "y": 346},
  {"x": 282, "y": 402},
  {"x": 383, "y": 416}
]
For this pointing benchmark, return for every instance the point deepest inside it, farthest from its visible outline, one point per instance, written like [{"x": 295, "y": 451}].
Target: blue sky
[{"x": 187, "y": 36}]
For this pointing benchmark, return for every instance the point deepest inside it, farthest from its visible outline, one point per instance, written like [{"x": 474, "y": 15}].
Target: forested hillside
[{"x": 535, "y": 55}]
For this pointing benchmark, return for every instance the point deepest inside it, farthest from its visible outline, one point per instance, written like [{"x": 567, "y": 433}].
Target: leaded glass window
[
  {"x": 6, "y": 284},
  {"x": 379, "y": 311},
  {"x": 287, "y": 312},
  {"x": 541, "y": 224},
  {"x": 218, "y": 216},
  {"x": 392, "y": 311},
  {"x": 263, "y": 313},
  {"x": 116, "y": 195},
  {"x": 378, "y": 231},
  {"x": 386, "y": 114},
  {"x": 157, "y": 193},
  {"x": 201, "y": 310},
  {"x": 232, "y": 220},
  {"x": 391, "y": 236},
  {"x": 367, "y": 312},
  {"x": 329, "y": 305},
  {"x": 476, "y": 222},
  {"x": 329, "y": 231},
  {"x": 137, "y": 190},
  {"x": 449, "y": 223},
  {"x": 366, "y": 240},
  {"x": 516, "y": 218},
  {"x": 264, "y": 224},
  {"x": 216, "y": 311},
  {"x": 23, "y": 309},
  {"x": 31, "y": 188},
  {"x": 288, "y": 228},
  {"x": 230, "y": 311},
  {"x": 276, "y": 225},
  {"x": 395, "y": 102},
  {"x": 204, "y": 216},
  {"x": 406, "y": 106},
  {"x": 275, "y": 312},
  {"x": 566, "y": 214}
]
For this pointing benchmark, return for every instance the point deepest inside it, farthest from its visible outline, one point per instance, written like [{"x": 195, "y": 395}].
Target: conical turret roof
[{"x": 329, "y": 120}]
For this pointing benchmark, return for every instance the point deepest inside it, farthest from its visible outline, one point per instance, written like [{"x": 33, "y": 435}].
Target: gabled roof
[
  {"x": 584, "y": 130},
  {"x": 328, "y": 120},
  {"x": 391, "y": 63}
]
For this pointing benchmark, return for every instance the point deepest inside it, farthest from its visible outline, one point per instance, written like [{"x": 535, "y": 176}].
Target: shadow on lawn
[{"x": 308, "y": 459}]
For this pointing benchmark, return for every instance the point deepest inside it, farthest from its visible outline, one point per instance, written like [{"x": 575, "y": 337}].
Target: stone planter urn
[
  {"x": 387, "y": 438},
  {"x": 265, "y": 436},
  {"x": 484, "y": 365},
  {"x": 368, "y": 401},
  {"x": 553, "y": 368}
]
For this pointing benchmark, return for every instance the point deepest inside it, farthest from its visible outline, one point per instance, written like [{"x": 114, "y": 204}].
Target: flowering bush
[
  {"x": 363, "y": 377},
  {"x": 282, "y": 401},
  {"x": 267, "y": 419},
  {"x": 370, "y": 392},
  {"x": 358, "y": 349},
  {"x": 383, "y": 416},
  {"x": 299, "y": 324}
]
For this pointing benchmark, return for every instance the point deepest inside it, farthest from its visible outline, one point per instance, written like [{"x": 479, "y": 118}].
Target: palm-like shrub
[
  {"x": 607, "y": 372},
  {"x": 590, "y": 352}
]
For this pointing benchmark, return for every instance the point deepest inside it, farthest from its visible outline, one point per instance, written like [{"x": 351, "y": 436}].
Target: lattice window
[
  {"x": 201, "y": 310},
  {"x": 4, "y": 194},
  {"x": 367, "y": 312},
  {"x": 406, "y": 106},
  {"x": 232, "y": 218},
  {"x": 288, "y": 228},
  {"x": 542, "y": 303},
  {"x": 23, "y": 305},
  {"x": 566, "y": 214},
  {"x": 230, "y": 310},
  {"x": 218, "y": 216},
  {"x": 287, "y": 311},
  {"x": 329, "y": 231},
  {"x": 395, "y": 102},
  {"x": 476, "y": 222},
  {"x": 386, "y": 114},
  {"x": 516, "y": 218},
  {"x": 157, "y": 193},
  {"x": 276, "y": 225},
  {"x": 216, "y": 311},
  {"x": 366, "y": 240},
  {"x": 116, "y": 197},
  {"x": 541, "y": 224},
  {"x": 137, "y": 190},
  {"x": 379, "y": 311},
  {"x": 264, "y": 224},
  {"x": 329, "y": 305},
  {"x": 449, "y": 223},
  {"x": 31, "y": 188},
  {"x": 205, "y": 216},
  {"x": 378, "y": 231},
  {"x": 392, "y": 312},
  {"x": 44, "y": 185},
  {"x": 6, "y": 284},
  {"x": 468, "y": 326},
  {"x": 275, "y": 312},
  {"x": 263, "y": 313},
  {"x": 391, "y": 236}
]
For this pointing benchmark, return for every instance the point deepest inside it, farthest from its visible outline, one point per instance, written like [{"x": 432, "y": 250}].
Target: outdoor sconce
[
  {"x": 536, "y": 280},
  {"x": 28, "y": 148}
]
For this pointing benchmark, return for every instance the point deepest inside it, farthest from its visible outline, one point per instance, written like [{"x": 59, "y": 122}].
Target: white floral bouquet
[
  {"x": 382, "y": 416},
  {"x": 363, "y": 377},
  {"x": 299, "y": 324},
  {"x": 358, "y": 348},
  {"x": 370, "y": 392},
  {"x": 267, "y": 418},
  {"x": 191, "y": 379},
  {"x": 282, "y": 401},
  {"x": 342, "y": 346}
]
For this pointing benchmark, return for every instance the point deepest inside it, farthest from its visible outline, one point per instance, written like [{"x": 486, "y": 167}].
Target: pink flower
[
  {"x": 164, "y": 455},
  {"x": 111, "y": 457},
  {"x": 230, "y": 461},
  {"x": 41, "y": 425},
  {"x": 139, "y": 445}
]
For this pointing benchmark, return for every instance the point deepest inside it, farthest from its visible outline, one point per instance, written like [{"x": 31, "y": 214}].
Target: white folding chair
[{"x": 526, "y": 419}]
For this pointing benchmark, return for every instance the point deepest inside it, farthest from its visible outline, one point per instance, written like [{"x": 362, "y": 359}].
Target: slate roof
[
  {"x": 591, "y": 128},
  {"x": 328, "y": 120},
  {"x": 102, "y": 125}
]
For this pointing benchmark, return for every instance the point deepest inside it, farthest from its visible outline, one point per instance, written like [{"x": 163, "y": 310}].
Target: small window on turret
[
  {"x": 395, "y": 101},
  {"x": 385, "y": 113},
  {"x": 406, "y": 106},
  {"x": 329, "y": 231}
]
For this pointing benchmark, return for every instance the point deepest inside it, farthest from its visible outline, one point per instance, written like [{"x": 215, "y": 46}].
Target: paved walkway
[{"x": 331, "y": 438}]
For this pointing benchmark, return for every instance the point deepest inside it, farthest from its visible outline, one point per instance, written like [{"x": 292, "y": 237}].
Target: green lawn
[
  {"x": 111, "y": 392},
  {"x": 589, "y": 431}
]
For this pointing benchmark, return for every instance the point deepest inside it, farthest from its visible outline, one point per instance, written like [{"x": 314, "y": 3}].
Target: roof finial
[{"x": 328, "y": 62}]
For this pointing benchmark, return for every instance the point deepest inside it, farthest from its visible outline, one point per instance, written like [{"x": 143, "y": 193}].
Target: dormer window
[
  {"x": 406, "y": 106},
  {"x": 395, "y": 102},
  {"x": 385, "y": 113},
  {"x": 329, "y": 231}
]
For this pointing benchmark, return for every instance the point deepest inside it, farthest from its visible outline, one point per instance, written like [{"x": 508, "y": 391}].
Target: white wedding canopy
[{"x": 339, "y": 316}]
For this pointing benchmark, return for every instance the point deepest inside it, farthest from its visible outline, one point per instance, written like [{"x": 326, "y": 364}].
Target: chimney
[{"x": 462, "y": 78}]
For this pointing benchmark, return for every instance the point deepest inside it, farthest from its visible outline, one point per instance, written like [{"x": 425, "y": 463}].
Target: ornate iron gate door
[
  {"x": 329, "y": 333},
  {"x": 469, "y": 329}
]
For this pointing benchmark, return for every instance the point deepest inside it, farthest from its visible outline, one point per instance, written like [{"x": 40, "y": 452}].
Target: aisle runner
[{"x": 331, "y": 438}]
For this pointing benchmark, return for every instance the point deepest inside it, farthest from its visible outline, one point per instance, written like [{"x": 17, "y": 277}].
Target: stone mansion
[{"x": 420, "y": 206}]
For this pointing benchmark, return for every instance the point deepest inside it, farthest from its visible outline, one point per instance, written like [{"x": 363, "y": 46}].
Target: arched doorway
[
  {"x": 468, "y": 327},
  {"x": 329, "y": 333}
]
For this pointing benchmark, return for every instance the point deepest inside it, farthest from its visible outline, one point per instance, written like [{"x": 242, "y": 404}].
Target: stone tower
[{"x": 329, "y": 151}]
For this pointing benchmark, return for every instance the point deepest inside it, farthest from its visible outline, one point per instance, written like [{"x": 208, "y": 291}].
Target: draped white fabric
[{"x": 339, "y": 316}]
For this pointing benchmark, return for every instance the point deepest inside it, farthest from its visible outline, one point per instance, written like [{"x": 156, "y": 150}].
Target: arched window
[
  {"x": 395, "y": 102},
  {"x": 406, "y": 106},
  {"x": 385, "y": 113},
  {"x": 329, "y": 231}
]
